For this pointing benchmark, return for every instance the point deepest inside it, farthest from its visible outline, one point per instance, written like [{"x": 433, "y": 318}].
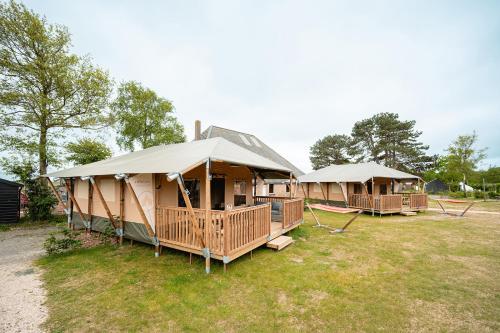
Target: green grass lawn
[
  {"x": 425, "y": 273},
  {"x": 26, "y": 223}
]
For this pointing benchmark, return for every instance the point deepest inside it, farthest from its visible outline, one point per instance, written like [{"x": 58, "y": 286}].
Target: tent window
[
  {"x": 240, "y": 193},
  {"x": 271, "y": 188},
  {"x": 287, "y": 189},
  {"x": 358, "y": 189},
  {"x": 193, "y": 186},
  {"x": 383, "y": 189}
]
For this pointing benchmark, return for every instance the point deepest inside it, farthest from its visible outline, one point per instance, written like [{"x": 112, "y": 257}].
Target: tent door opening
[{"x": 217, "y": 193}]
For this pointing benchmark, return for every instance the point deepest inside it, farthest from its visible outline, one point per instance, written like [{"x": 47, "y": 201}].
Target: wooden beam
[
  {"x": 322, "y": 191},
  {"x": 122, "y": 209},
  {"x": 208, "y": 214},
  {"x": 327, "y": 191},
  {"x": 343, "y": 194},
  {"x": 56, "y": 193},
  {"x": 291, "y": 179},
  {"x": 150, "y": 230},
  {"x": 189, "y": 207},
  {"x": 303, "y": 190},
  {"x": 367, "y": 194},
  {"x": 103, "y": 202},
  {"x": 72, "y": 197},
  {"x": 89, "y": 206}
]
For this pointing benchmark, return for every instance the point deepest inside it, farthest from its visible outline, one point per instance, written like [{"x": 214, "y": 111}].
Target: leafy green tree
[
  {"x": 86, "y": 151},
  {"x": 387, "y": 140},
  {"x": 41, "y": 201},
  {"x": 45, "y": 91},
  {"x": 332, "y": 149},
  {"x": 463, "y": 157},
  {"x": 143, "y": 118}
]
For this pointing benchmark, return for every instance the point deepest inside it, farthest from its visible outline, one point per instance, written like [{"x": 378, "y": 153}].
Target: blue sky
[{"x": 292, "y": 72}]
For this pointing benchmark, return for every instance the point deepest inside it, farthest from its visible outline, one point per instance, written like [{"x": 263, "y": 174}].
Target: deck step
[
  {"x": 280, "y": 242},
  {"x": 409, "y": 213}
]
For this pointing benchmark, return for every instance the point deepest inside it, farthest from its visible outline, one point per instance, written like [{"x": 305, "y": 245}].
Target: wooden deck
[
  {"x": 231, "y": 233},
  {"x": 388, "y": 204}
]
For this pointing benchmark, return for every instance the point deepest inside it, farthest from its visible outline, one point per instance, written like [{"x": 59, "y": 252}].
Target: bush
[
  {"x": 478, "y": 195},
  {"x": 108, "y": 234},
  {"x": 67, "y": 242}
]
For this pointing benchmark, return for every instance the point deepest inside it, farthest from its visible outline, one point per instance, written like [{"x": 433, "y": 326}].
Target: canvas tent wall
[
  {"x": 336, "y": 182},
  {"x": 147, "y": 170}
]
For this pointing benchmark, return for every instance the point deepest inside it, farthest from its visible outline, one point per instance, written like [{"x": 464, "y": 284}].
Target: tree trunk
[{"x": 42, "y": 153}]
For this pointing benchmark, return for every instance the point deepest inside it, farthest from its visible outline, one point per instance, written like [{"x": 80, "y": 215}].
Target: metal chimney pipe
[{"x": 197, "y": 130}]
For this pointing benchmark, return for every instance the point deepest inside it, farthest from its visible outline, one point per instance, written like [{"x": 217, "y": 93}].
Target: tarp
[
  {"x": 173, "y": 158},
  {"x": 360, "y": 172}
]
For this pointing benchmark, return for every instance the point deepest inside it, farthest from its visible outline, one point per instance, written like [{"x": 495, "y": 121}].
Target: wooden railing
[
  {"x": 391, "y": 202},
  {"x": 418, "y": 201},
  {"x": 245, "y": 226},
  {"x": 361, "y": 201},
  {"x": 230, "y": 231},
  {"x": 293, "y": 212},
  {"x": 269, "y": 199}
]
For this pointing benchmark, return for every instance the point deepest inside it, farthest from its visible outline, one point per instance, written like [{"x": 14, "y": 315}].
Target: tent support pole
[
  {"x": 122, "y": 208},
  {"x": 322, "y": 191},
  {"x": 191, "y": 211},
  {"x": 343, "y": 194},
  {"x": 367, "y": 194},
  {"x": 208, "y": 215},
  {"x": 303, "y": 190},
  {"x": 103, "y": 202},
  {"x": 373, "y": 196},
  {"x": 291, "y": 180},
  {"x": 72, "y": 197},
  {"x": 89, "y": 210},
  {"x": 58, "y": 196}
]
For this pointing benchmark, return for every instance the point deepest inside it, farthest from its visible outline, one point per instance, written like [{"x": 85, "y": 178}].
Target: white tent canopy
[
  {"x": 173, "y": 158},
  {"x": 360, "y": 172}
]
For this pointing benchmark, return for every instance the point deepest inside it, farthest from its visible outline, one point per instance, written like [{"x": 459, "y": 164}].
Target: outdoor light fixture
[
  {"x": 120, "y": 176},
  {"x": 85, "y": 177},
  {"x": 172, "y": 176}
]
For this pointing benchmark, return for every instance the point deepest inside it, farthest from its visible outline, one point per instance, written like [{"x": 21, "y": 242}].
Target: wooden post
[
  {"x": 308, "y": 190},
  {"x": 192, "y": 216},
  {"x": 208, "y": 215},
  {"x": 103, "y": 202},
  {"x": 56, "y": 193},
  {"x": 327, "y": 191},
  {"x": 321, "y": 187},
  {"x": 291, "y": 179},
  {"x": 122, "y": 209},
  {"x": 73, "y": 200},
  {"x": 343, "y": 194},
  {"x": 254, "y": 186},
  {"x": 373, "y": 196},
  {"x": 151, "y": 233},
  {"x": 89, "y": 207},
  {"x": 303, "y": 190}
]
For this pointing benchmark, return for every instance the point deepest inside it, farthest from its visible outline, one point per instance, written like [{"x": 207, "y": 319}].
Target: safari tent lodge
[
  {"x": 165, "y": 195},
  {"x": 368, "y": 186}
]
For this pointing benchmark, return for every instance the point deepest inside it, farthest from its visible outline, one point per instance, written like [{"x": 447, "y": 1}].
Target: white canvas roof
[
  {"x": 173, "y": 158},
  {"x": 360, "y": 172}
]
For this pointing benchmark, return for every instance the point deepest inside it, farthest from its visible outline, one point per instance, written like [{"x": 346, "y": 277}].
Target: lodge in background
[
  {"x": 368, "y": 186},
  {"x": 165, "y": 195},
  {"x": 10, "y": 201},
  {"x": 264, "y": 187}
]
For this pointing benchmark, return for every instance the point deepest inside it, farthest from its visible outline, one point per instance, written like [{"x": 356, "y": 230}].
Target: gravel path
[{"x": 22, "y": 296}]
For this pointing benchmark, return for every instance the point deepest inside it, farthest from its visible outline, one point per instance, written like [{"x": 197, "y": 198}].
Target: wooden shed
[
  {"x": 165, "y": 195},
  {"x": 10, "y": 201}
]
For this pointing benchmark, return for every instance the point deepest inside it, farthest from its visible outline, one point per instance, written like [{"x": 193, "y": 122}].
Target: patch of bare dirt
[{"x": 22, "y": 295}]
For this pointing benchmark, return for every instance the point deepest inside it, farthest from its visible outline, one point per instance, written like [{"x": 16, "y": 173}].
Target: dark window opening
[
  {"x": 240, "y": 193},
  {"x": 271, "y": 188},
  {"x": 193, "y": 186},
  {"x": 383, "y": 189},
  {"x": 358, "y": 189}
]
